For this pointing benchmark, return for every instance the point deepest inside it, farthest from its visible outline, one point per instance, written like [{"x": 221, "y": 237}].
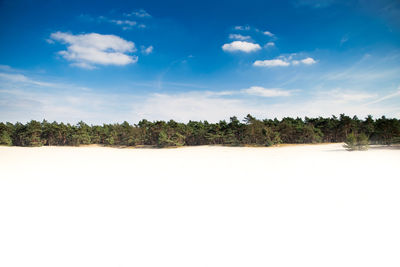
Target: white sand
[{"x": 315, "y": 205}]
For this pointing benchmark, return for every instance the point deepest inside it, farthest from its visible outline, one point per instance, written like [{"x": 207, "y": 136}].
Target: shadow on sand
[
  {"x": 385, "y": 147},
  {"x": 371, "y": 147}
]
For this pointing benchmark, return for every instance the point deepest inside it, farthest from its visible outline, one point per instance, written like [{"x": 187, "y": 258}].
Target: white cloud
[
  {"x": 147, "y": 50},
  {"x": 269, "y": 44},
  {"x": 241, "y": 46},
  {"x": 271, "y": 63},
  {"x": 270, "y": 34},
  {"x": 283, "y": 62},
  {"x": 88, "y": 50},
  {"x": 239, "y": 37},
  {"x": 266, "y": 92},
  {"x": 308, "y": 61}
]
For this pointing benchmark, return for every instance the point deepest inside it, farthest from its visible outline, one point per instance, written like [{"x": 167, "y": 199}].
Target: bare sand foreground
[{"x": 315, "y": 205}]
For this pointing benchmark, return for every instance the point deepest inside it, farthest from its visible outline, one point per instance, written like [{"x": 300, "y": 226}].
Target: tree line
[{"x": 249, "y": 131}]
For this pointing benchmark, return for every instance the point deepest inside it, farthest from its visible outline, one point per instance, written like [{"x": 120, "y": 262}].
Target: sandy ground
[{"x": 315, "y": 205}]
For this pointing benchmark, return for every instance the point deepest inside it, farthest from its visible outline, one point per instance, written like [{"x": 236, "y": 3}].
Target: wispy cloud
[
  {"x": 268, "y": 33},
  {"x": 140, "y": 13},
  {"x": 126, "y": 23},
  {"x": 271, "y": 63},
  {"x": 189, "y": 106},
  {"x": 250, "y": 28},
  {"x": 242, "y": 46},
  {"x": 306, "y": 61},
  {"x": 314, "y": 3},
  {"x": 89, "y": 50},
  {"x": 24, "y": 105},
  {"x": 242, "y": 28},
  {"x": 239, "y": 37},
  {"x": 266, "y": 92},
  {"x": 23, "y": 98},
  {"x": 369, "y": 69},
  {"x": 388, "y": 10},
  {"x": 147, "y": 50},
  {"x": 5, "y": 68},
  {"x": 344, "y": 39},
  {"x": 98, "y": 108},
  {"x": 269, "y": 44},
  {"x": 221, "y": 93},
  {"x": 346, "y": 96},
  {"x": 213, "y": 107},
  {"x": 11, "y": 81},
  {"x": 20, "y": 78},
  {"x": 386, "y": 97},
  {"x": 283, "y": 62}
]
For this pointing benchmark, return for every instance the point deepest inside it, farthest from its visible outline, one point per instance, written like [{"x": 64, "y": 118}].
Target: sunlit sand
[{"x": 310, "y": 205}]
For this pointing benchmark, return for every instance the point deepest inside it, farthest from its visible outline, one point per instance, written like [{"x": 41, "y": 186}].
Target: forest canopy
[{"x": 249, "y": 131}]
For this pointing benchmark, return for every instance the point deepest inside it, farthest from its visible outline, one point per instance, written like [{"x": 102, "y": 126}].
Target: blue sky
[{"x": 110, "y": 61}]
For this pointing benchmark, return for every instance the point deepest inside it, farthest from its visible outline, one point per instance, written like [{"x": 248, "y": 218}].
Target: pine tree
[
  {"x": 359, "y": 142},
  {"x": 351, "y": 142},
  {"x": 362, "y": 142},
  {"x": 5, "y": 139}
]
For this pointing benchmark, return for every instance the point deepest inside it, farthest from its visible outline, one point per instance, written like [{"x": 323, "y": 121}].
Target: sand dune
[{"x": 312, "y": 205}]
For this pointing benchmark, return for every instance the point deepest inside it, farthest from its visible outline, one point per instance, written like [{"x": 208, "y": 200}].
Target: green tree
[
  {"x": 5, "y": 135},
  {"x": 356, "y": 142},
  {"x": 351, "y": 142},
  {"x": 354, "y": 131},
  {"x": 362, "y": 142},
  {"x": 271, "y": 137},
  {"x": 33, "y": 132}
]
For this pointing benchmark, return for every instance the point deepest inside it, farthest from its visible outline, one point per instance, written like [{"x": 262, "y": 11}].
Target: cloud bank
[{"x": 21, "y": 101}]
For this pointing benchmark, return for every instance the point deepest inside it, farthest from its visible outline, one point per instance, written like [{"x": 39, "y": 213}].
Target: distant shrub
[{"x": 359, "y": 142}]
